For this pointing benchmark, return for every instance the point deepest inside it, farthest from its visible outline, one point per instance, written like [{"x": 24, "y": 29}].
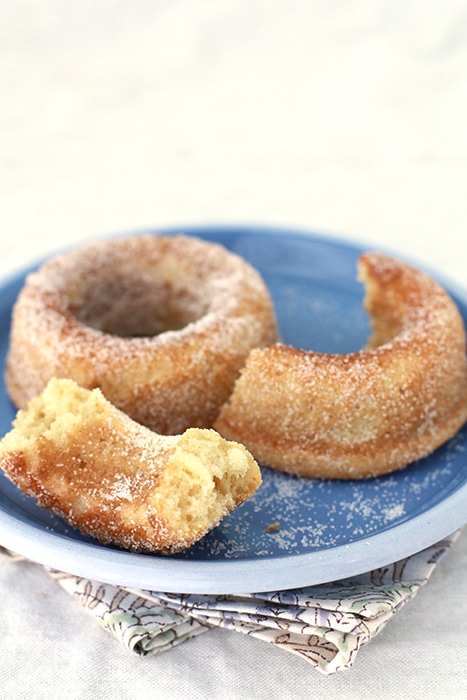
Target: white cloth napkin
[{"x": 326, "y": 625}]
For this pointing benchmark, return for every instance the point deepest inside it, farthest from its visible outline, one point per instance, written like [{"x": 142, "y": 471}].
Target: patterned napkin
[{"x": 326, "y": 625}]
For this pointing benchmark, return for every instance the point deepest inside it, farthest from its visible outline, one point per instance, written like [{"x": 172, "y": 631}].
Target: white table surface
[{"x": 345, "y": 118}]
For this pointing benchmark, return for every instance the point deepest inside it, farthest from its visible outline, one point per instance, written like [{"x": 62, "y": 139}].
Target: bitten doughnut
[
  {"x": 161, "y": 324},
  {"x": 365, "y": 413},
  {"x": 116, "y": 480}
]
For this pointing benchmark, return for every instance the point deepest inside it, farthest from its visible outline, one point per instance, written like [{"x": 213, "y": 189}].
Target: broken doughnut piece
[{"x": 116, "y": 480}]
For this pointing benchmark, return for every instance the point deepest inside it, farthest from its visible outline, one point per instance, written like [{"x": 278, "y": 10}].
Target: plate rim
[
  {"x": 118, "y": 567},
  {"x": 229, "y": 576}
]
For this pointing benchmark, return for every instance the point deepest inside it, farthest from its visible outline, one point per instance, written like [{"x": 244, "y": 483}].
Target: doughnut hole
[{"x": 140, "y": 303}]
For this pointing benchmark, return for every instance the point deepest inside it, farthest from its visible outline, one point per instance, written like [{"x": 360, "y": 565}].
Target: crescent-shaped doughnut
[{"x": 365, "y": 413}]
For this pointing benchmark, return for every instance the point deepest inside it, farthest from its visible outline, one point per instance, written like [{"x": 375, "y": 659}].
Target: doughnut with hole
[{"x": 161, "y": 324}]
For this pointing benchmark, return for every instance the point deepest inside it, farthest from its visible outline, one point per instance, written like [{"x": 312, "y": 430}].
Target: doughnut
[
  {"x": 365, "y": 413},
  {"x": 161, "y": 324},
  {"x": 117, "y": 481}
]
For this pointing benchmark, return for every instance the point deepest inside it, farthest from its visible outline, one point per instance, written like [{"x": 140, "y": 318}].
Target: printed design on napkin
[
  {"x": 142, "y": 626},
  {"x": 326, "y": 625}
]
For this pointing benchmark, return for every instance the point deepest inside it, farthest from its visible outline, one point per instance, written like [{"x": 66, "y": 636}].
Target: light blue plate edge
[{"x": 233, "y": 576}]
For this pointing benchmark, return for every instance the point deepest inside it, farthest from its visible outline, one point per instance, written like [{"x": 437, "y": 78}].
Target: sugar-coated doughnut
[
  {"x": 118, "y": 481},
  {"x": 161, "y": 324},
  {"x": 365, "y": 413}
]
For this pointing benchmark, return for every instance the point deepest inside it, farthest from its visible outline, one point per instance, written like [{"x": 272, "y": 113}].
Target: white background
[{"x": 346, "y": 118}]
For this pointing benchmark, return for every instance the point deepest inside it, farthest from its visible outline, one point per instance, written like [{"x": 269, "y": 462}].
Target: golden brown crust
[
  {"x": 162, "y": 324},
  {"x": 116, "y": 480},
  {"x": 366, "y": 413}
]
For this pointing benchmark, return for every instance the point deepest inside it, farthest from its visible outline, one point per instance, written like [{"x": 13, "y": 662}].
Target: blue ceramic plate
[{"x": 328, "y": 529}]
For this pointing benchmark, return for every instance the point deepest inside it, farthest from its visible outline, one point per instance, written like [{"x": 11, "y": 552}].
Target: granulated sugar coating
[
  {"x": 117, "y": 481},
  {"x": 363, "y": 413},
  {"x": 161, "y": 324},
  {"x": 319, "y": 306}
]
